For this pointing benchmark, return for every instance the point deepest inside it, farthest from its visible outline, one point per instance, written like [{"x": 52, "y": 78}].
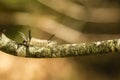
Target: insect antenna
[{"x": 51, "y": 37}]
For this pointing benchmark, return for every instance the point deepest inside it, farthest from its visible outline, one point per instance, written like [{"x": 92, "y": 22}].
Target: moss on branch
[{"x": 49, "y": 49}]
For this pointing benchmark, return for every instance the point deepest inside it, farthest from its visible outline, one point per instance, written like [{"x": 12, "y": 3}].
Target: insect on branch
[{"x": 38, "y": 48}]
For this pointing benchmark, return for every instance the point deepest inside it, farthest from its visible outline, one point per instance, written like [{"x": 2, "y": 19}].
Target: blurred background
[{"x": 72, "y": 21}]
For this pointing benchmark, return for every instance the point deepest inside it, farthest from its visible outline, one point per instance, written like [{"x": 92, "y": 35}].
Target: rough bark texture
[{"x": 49, "y": 49}]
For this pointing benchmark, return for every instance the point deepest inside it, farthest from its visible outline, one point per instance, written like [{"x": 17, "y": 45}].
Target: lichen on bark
[{"x": 49, "y": 49}]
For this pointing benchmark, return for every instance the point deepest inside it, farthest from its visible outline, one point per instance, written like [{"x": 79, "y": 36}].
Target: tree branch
[{"x": 49, "y": 49}]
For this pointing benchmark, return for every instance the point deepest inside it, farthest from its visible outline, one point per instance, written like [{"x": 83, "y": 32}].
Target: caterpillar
[{"x": 30, "y": 41}]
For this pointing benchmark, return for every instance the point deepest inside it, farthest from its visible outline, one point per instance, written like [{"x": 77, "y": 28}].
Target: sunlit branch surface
[{"x": 46, "y": 49}]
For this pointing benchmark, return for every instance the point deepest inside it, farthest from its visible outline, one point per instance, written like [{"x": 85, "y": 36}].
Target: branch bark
[{"x": 49, "y": 49}]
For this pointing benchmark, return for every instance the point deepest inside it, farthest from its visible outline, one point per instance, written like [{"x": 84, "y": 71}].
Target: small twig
[
  {"x": 50, "y": 50},
  {"x": 29, "y": 34}
]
